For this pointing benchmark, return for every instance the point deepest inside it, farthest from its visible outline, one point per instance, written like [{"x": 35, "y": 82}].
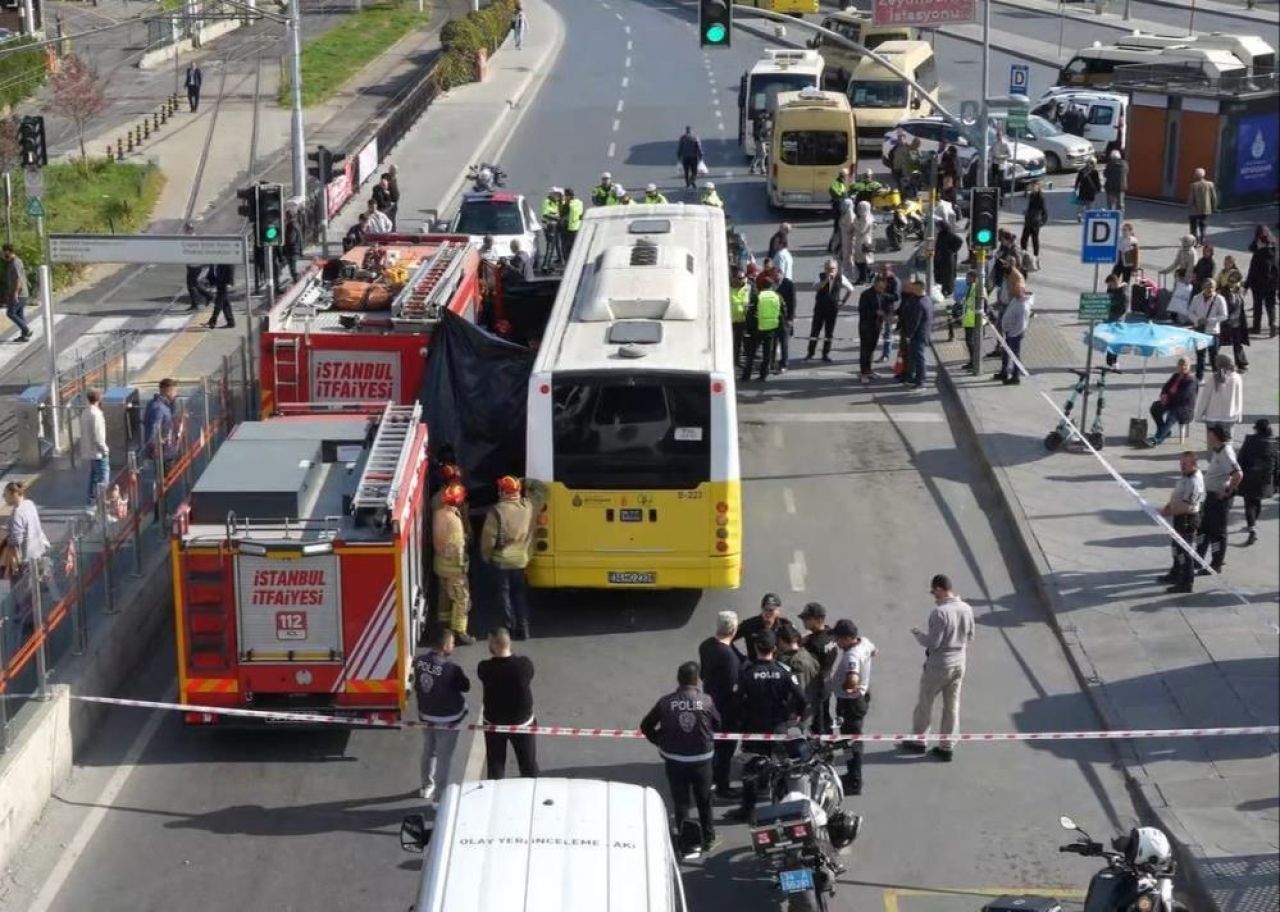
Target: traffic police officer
[
  {"x": 572, "y": 214},
  {"x": 710, "y": 197},
  {"x": 768, "y": 700},
  {"x": 550, "y": 215},
  {"x": 768, "y": 317},
  {"x": 837, "y": 190},
  {"x": 681, "y": 725},
  {"x": 971, "y": 318},
  {"x": 602, "y": 193},
  {"x": 449, "y": 544},
  {"x": 652, "y": 196},
  {"x": 739, "y": 300}
]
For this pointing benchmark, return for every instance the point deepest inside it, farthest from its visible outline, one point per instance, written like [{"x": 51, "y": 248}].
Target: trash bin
[
  {"x": 123, "y": 415},
  {"x": 32, "y": 409}
]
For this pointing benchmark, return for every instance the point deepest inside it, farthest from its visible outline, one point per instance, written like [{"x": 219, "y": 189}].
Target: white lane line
[
  {"x": 156, "y": 338},
  {"x": 720, "y": 125},
  {"x": 89, "y": 339},
  {"x": 80, "y": 841},
  {"x": 11, "y": 349},
  {"x": 619, "y": 15},
  {"x": 616, "y": 124},
  {"x": 619, "y": 105},
  {"x": 789, "y": 500},
  {"x": 628, "y": 45},
  {"x": 797, "y": 570},
  {"x": 627, "y": 63},
  {"x": 612, "y": 148},
  {"x": 777, "y": 436},
  {"x": 850, "y": 418},
  {"x": 626, "y": 81},
  {"x": 626, "y": 30}
]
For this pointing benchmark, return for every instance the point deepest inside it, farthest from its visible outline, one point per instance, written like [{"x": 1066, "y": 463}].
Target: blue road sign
[
  {"x": 1018, "y": 76},
  {"x": 1100, "y": 240}
]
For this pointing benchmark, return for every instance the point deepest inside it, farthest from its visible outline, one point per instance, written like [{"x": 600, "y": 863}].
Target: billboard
[
  {"x": 925, "y": 13},
  {"x": 355, "y": 376},
  {"x": 1257, "y": 142}
]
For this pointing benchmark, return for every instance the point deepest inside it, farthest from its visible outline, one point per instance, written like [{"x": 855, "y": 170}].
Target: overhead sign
[
  {"x": 1018, "y": 76},
  {"x": 924, "y": 13},
  {"x": 1094, "y": 305},
  {"x": 1100, "y": 240},
  {"x": 176, "y": 249},
  {"x": 354, "y": 376}
]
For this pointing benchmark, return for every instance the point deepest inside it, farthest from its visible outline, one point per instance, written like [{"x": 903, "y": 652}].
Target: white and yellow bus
[{"x": 632, "y": 419}]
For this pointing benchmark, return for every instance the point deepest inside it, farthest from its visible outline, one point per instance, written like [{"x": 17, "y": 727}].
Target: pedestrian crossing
[
  {"x": 10, "y": 350},
  {"x": 150, "y": 337},
  {"x": 153, "y": 339}
]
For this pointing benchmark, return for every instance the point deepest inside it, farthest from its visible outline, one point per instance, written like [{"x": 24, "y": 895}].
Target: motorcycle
[
  {"x": 907, "y": 222},
  {"x": 801, "y": 830},
  {"x": 485, "y": 178},
  {"x": 1139, "y": 873}
]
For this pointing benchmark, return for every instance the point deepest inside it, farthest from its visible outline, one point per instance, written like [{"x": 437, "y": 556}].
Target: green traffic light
[
  {"x": 983, "y": 235},
  {"x": 716, "y": 33},
  {"x": 271, "y": 232}
]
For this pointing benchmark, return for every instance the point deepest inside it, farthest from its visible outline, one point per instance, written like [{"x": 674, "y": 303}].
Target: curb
[{"x": 1135, "y": 774}]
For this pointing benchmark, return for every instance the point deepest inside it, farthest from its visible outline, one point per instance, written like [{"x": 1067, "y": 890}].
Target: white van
[
  {"x": 1106, "y": 113},
  {"x": 879, "y": 97},
  {"x": 546, "y": 845},
  {"x": 1096, "y": 65}
]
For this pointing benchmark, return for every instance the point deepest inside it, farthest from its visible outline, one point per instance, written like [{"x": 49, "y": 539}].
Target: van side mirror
[
  {"x": 415, "y": 833},
  {"x": 915, "y": 103}
]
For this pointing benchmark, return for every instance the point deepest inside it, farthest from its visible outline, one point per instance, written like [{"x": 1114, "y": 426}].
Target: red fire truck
[
  {"x": 355, "y": 329},
  {"x": 298, "y": 574}
]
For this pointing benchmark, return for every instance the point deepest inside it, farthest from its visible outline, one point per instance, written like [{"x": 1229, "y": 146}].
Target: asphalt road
[{"x": 854, "y": 496}]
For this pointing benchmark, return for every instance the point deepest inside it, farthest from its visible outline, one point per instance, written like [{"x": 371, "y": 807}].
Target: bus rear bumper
[{"x": 633, "y": 572}]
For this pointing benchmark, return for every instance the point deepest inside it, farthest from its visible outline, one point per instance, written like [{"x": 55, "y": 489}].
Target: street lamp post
[{"x": 299, "y": 138}]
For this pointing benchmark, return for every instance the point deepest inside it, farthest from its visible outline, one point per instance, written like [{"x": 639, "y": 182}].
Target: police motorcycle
[
  {"x": 1139, "y": 871},
  {"x": 485, "y": 177},
  {"x": 803, "y": 826}
]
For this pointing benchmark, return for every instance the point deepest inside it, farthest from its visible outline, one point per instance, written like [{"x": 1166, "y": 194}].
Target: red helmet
[
  {"x": 508, "y": 485},
  {"x": 454, "y": 495},
  {"x": 450, "y": 472}
]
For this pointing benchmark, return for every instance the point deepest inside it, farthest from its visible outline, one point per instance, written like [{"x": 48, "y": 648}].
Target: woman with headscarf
[
  {"x": 864, "y": 224},
  {"x": 845, "y": 224},
  {"x": 1206, "y": 267},
  {"x": 1259, "y": 457},
  {"x": 1221, "y": 399}
]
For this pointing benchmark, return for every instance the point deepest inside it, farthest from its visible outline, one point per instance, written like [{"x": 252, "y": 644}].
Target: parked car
[
  {"x": 935, "y": 134},
  {"x": 505, "y": 217},
  {"x": 1062, "y": 151}
]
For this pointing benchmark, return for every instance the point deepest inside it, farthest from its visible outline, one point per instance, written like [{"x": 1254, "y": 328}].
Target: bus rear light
[
  {"x": 722, "y": 519},
  {"x": 722, "y": 507},
  {"x": 541, "y": 546},
  {"x": 543, "y": 519},
  {"x": 722, "y": 545},
  {"x": 717, "y": 387},
  {"x": 722, "y": 533},
  {"x": 544, "y": 389},
  {"x": 541, "y": 533}
]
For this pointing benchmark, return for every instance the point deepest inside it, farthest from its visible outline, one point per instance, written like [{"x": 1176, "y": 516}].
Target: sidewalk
[{"x": 1147, "y": 659}]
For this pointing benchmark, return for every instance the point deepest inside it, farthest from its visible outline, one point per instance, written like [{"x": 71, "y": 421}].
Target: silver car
[{"x": 1062, "y": 151}]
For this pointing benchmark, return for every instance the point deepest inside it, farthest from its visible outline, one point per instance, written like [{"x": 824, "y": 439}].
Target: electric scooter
[{"x": 1063, "y": 432}]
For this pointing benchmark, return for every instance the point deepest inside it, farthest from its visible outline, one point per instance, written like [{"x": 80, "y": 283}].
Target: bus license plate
[
  {"x": 631, "y": 514},
  {"x": 796, "y": 881},
  {"x": 633, "y": 577}
]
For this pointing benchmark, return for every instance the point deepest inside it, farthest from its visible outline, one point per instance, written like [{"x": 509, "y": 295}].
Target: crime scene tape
[{"x": 632, "y": 733}]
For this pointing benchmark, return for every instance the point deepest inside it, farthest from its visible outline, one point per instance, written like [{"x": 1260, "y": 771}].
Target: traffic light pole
[
  {"x": 984, "y": 155},
  {"x": 1083, "y": 426},
  {"x": 50, "y": 344},
  {"x": 980, "y": 322},
  {"x": 299, "y": 139}
]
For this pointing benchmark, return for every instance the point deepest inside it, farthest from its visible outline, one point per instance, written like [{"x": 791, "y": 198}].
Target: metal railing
[
  {"x": 1189, "y": 79},
  {"x": 97, "y": 554}
]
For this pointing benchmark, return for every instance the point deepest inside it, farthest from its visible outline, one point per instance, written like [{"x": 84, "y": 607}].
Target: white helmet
[
  {"x": 709, "y": 185},
  {"x": 651, "y": 188},
  {"x": 1148, "y": 846},
  {"x": 606, "y": 178},
  {"x": 618, "y": 190}
]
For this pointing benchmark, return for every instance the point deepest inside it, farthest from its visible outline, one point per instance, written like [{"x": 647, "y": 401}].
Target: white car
[
  {"x": 505, "y": 217},
  {"x": 1062, "y": 151},
  {"x": 935, "y": 134}
]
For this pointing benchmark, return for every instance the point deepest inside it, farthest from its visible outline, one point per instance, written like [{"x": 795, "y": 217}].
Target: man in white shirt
[
  {"x": 851, "y": 682},
  {"x": 93, "y": 446},
  {"x": 782, "y": 258},
  {"x": 378, "y": 222}
]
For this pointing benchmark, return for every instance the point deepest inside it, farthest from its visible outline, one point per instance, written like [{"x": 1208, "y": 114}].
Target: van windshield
[
  {"x": 814, "y": 147},
  {"x": 765, "y": 88},
  {"x": 878, "y": 94}
]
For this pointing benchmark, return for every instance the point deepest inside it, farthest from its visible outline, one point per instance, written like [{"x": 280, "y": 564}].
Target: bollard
[
  {"x": 164, "y": 114},
  {"x": 129, "y": 137},
  {"x": 109, "y": 153},
  {"x": 146, "y": 129},
  {"x": 119, "y": 148},
  {"x": 155, "y": 121}
]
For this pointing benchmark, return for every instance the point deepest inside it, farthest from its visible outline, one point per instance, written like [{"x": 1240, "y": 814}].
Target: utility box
[
  {"x": 1180, "y": 121},
  {"x": 124, "y": 422},
  {"x": 32, "y": 411}
]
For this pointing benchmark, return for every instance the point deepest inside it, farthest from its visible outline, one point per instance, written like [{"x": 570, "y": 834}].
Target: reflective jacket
[
  {"x": 768, "y": 311},
  {"x": 573, "y": 214},
  {"x": 448, "y": 541},
  {"x": 550, "y": 208},
  {"x": 739, "y": 298},
  {"x": 681, "y": 725},
  {"x": 504, "y": 541},
  {"x": 711, "y": 198},
  {"x": 601, "y": 195},
  {"x": 655, "y": 199},
  {"x": 969, "y": 316}
]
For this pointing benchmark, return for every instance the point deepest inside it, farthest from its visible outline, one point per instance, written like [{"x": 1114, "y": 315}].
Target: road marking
[
  {"x": 619, "y": 105},
  {"x": 789, "y": 500},
  {"x": 628, "y": 45},
  {"x": 616, "y": 124},
  {"x": 850, "y": 418},
  {"x": 626, "y": 30},
  {"x": 80, "y": 841},
  {"x": 611, "y": 150},
  {"x": 475, "y": 758},
  {"x": 777, "y": 436},
  {"x": 627, "y": 63},
  {"x": 13, "y": 350},
  {"x": 890, "y": 896},
  {"x": 149, "y": 344},
  {"x": 797, "y": 570},
  {"x": 87, "y": 341},
  {"x": 626, "y": 80},
  {"x": 619, "y": 15}
]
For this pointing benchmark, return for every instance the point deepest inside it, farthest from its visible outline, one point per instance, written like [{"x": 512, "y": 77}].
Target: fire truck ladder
[
  {"x": 285, "y": 356},
  {"x": 388, "y": 457},
  {"x": 428, "y": 289}
]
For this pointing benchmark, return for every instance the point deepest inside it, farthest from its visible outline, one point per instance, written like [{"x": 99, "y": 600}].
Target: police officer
[
  {"x": 602, "y": 193},
  {"x": 652, "y": 197},
  {"x": 440, "y": 687},
  {"x": 1183, "y": 509},
  {"x": 971, "y": 317},
  {"x": 821, "y": 643},
  {"x": 837, "y": 190},
  {"x": 768, "y": 700},
  {"x": 740, "y": 293},
  {"x": 762, "y": 331},
  {"x": 504, "y": 543},
  {"x": 770, "y": 618},
  {"x": 621, "y": 196},
  {"x": 449, "y": 546},
  {"x": 851, "y": 680},
  {"x": 572, "y": 216},
  {"x": 549, "y": 214},
  {"x": 709, "y": 195},
  {"x": 681, "y": 725},
  {"x": 865, "y": 187}
]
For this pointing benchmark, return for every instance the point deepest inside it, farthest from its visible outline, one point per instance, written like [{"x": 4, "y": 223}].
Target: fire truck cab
[
  {"x": 355, "y": 329},
  {"x": 298, "y": 574}
]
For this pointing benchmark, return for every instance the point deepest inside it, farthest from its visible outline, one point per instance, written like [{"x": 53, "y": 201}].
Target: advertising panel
[{"x": 1257, "y": 144}]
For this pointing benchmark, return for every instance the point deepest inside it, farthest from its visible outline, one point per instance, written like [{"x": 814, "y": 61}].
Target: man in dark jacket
[
  {"x": 508, "y": 700},
  {"x": 770, "y": 618},
  {"x": 805, "y": 668},
  {"x": 914, "y": 319},
  {"x": 441, "y": 688},
  {"x": 721, "y": 666},
  {"x": 193, "y": 81},
  {"x": 681, "y": 725},
  {"x": 1259, "y": 457},
  {"x": 689, "y": 153},
  {"x": 821, "y": 644}
]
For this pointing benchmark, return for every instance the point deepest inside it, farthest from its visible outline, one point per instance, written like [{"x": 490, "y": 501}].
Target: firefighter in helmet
[
  {"x": 449, "y": 540},
  {"x": 450, "y": 473},
  {"x": 505, "y": 542}
]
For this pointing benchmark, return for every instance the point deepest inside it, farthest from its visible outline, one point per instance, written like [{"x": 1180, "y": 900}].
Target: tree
[
  {"x": 79, "y": 95},
  {"x": 9, "y": 152}
]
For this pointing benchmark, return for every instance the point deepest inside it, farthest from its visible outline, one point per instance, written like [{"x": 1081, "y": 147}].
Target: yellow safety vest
[
  {"x": 550, "y": 208},
  {"x": 969, "y": 318},
  {"x": 768, "y": 310},
  {"x": 837, "y": 190},
  {"x": 601, "y": 195},
  {"x": 573, "y": 218},
  {"x": 713, "y": 199},
  {"x": 739, "y": 298},
  {"x": 654, "y": 199}
]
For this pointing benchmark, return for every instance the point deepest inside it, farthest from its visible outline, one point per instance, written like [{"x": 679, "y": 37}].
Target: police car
[
  {"x": 505, "y": 217},
  {"x": 935, "y": 134}
]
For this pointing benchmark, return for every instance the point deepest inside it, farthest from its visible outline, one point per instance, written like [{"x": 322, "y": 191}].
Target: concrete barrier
[{"x": 159, "y": 56}]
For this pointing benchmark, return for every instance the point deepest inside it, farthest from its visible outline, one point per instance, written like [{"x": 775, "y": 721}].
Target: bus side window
[{"x": 1074, "y": 72}]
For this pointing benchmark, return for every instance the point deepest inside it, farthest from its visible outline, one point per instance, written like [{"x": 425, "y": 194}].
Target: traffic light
[
  {"x": 715, "y": 22},
  {"x": 270, "y": 220},
  {"x": 248, "y": 197},
  {"x": 31, "y": 141},
  {"x": 324, "y": 161},
  {"x": 984, "y": 217}
]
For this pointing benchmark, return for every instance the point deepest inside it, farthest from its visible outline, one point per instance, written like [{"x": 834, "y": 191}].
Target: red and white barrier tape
[{"x": 631, "y": 733}]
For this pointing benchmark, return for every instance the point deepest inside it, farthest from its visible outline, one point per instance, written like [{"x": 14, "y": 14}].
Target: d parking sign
[{"x": 1101, "y": 239}]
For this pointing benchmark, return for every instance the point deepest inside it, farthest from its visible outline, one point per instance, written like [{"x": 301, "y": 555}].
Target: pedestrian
[
  {"x": 505, "y": 541},
  {"x": 763, "y": 322},
  {"x": 1259, "y": 461},
  {"x": 787, "y": 292},
  {"x": 820, "y": 641},
  {"x": 1034, "y": 218},
  {"x": 829, "y": 294},
  {"x": 1179, "y": 308},
  {"x": 915, "y": 321},
  {"x": 508, "y": 700},
  {"x": 16, "y": 291},
  {"x": 518, "y": 265},
  {"x": 393, "y": 189},
  {"x": 781, "y": 255},
  {"x": 904, "y": 161},
  {"x": 770, "y": 618},
  {"x": 1263, "y": 278},
  {"x": 291, "y": 250},
  {"x": 1202, "y": 202},
  {"x": 838, "y": 195},
  {"x": 1206, "y": 266},
  {"x": 450, "y": 561},
  {"x": 520, "y": 26},
  {"x": 682, "y": 725},
  {"x": 842, "y": 238},
  {"x": 193, "y": 81},
  {"x": 949, "y": 174},
  {"x": 1013, "y": 324},
  {"x": 1183, "y": 511},
  {"x": 1073, "y": 120},
  {"x": 689, "y": 155},
  {"x": 890, "y": 299},
  {"x": 778, "y": 238},
  {"x": 864, "y": 225},
  {"x": 93, "y": 446},
  {"x": 1220, "y": 482},
  {"x": 805, "y": 668},
  {"x": 441, "y": 688},
  {"x": 355, "y": 234},
  {"x": 759, "y": 129},
  {"x": 1220, "y": 403},
  {"x": 946, "y": 248},
  {"x": 1176, "y": 403},
  {"x": 1184, "y": 261},
  {"x": 1234, "y": 330},
  {"x": 741, "y": 299},
  {"x": 769, "y": 701},
  {"x": 602, "y": 193},
  {"x": 27, "y": 546},
  {"x": 383, "y": 200},
  {"x": 721, "y": 667},
  {"x": 1118, "y": 292},
  {"x": 376, "y": 221},
  {"x": 223, "y": 277},
  {"x": 946, "y": 646},
  {"x": 870, "y": 323},
  {"x": 1115, "y": 180},
  {"x": 1206, "y": 311},
  {"x": 851, "y": 683},
  {"x": 1128, "y": 253},
  {"x": 1087, "y": 187},
  {"x": 971, "y": 317},
  {"x": 159, "y": 432}
]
